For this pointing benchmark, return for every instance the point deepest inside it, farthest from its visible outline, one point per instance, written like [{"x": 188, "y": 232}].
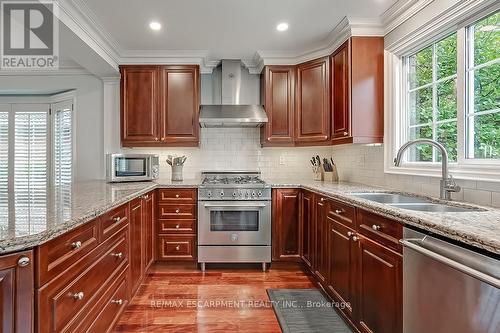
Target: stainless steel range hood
[{"x": 231, "y": 113}]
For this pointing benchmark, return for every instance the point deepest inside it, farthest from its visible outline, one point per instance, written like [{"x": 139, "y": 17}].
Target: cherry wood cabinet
[
  {"x": 312, "y": 109},
  {"x": 136, "y": 245},
  {"x": 357, "y": 91},
  {"x": 277, "y": 95},
  {"x": 306, "y": 220},
  {"x": 140, "y": 117},
  {"x": 149, "y": 203},
  {"x": 379, "y": 308},
  {"x": 286, "y": 231},
  {"x": 159, "y": 105},
  {"x": 16, "y": 292},
  {"x": 321, "y": 236}
]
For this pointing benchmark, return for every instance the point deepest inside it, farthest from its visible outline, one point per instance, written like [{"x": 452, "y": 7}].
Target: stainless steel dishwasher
[{"x": 448, "y": 288}]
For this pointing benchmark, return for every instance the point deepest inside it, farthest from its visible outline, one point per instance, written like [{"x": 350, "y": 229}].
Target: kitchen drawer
[
  {"x": 342, "y": 213},
  {"x": 176, "y": 226},
  {"x": 62, "y": 300},
  {"x": 59, "y": 254},
  {"x": 175, "y": 211},
  {"x": 177, "y": 247},
  {"x": 113, "y": 221},
  {"x": 178, "y": 195},
  {"x": 380, "y": 229}
]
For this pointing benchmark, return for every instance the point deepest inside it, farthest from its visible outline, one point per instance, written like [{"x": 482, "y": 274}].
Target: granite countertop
[{"x": 32, "y": 221}]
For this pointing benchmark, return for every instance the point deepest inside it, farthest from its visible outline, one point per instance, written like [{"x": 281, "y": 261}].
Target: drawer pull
[
  {"x": 117, "y": 301},
  {"x": 118, "y": 255},
  {"x": 345, "y": 133},
  {"x": 322, "y": 199},
  {"x": 177, "y": 248},
  {"x": 376, "y": 227},
  {"x": 76, "y": 245},
  {"x": 23, "y": 262},
  {"x": 177, "y": 226},
  {"x": 78, "y": 296},
  {"x": 349, "y": 234},
  {"x": 177, "y": 195},
  {"x": 339, "y": 211},
  {"x": 354, "y": 238},
  {"x": 177, "y": 211},
  {"x": 117, "y": 219}
]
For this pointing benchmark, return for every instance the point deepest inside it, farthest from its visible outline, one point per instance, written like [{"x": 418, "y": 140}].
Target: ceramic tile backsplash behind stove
[{"x": 239, "y": 149}]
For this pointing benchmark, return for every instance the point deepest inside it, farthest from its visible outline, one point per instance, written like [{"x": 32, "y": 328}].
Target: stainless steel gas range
[{"x": 234, "y": 218}]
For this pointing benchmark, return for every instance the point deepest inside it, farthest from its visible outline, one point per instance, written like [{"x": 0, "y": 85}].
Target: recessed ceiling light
[
  {"x": 282, "y": 26},
  {"x": 155, "y": 25}
]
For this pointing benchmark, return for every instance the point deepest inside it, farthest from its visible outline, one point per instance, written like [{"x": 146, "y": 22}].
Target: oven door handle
[{"x": 240, "y": 205}]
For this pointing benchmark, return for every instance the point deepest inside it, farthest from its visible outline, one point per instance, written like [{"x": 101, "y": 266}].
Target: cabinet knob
[
  {"x": 339, "y": 211},
  {"x": 116, "y": 219},
  {"x": 23, "y": 262},
  {"x": 376, "y": 227},
  {"x": 78, "y": 296},
  {"x": 349, "y": 234},
  {"x": 118, "y": 255},
  {"x": 177, "y": 226},
  {"x": 145, "y": 196},
  {"x": 322, "y": 199},
  {"x": 177, "y": 195},
  {"x": 346, "y": 133},
  {"x": 354, "y": 238},
  {"x": 156, "y": 139},
  {"x": 117, "y": 301},
  {"x": 163, "y": 138},
  {"x": 178, "y": 247},
  {"x": 76, "y": 245},
  {"x": 177, "y": 211}
]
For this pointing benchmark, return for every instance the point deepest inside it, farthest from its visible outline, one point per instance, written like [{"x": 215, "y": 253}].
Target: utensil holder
[
  {"x": 331, "y": 176},
  {"x": 317, "y": 173},
  {"x": 177, "y": 172}
]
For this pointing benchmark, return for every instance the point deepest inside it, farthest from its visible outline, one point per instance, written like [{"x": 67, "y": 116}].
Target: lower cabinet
[
  {"x": 16, "y": 292},
  {"x": 136, "y": 245},
  {"x": 149, "y": 203},
  {"x": 286, "y": 225},
  {"x": 321, "y": 236},
  {"x": 306, "y": 219}
]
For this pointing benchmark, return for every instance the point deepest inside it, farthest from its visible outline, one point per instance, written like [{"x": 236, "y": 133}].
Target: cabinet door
[
  {"x": 306, "y": 225},
  {"x": 380, "y": 288},
  {"x": 278, "y": 101},
  {"x": 340, "y": 94},
  {"x": 286, "y": 224},
  {"x": 16, "y": 292},
  {"x": 312, "y": 101},
  {"x": 139, "y": 105},
  {"x": 149, "y": 223},
  {"x": 136, "y": 267},
  {"x": 341, "y": 254},
  {"x": 321, "y": 263},
  {"x": 179, "y": 93}
]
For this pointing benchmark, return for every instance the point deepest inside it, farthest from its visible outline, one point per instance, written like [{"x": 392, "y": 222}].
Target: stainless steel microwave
[{"x": 131, "y": 167}]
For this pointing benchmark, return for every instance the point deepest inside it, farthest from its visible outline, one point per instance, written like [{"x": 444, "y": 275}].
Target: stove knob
[
  {"x": 234, "y": 193},
  {"x": 209, "y": 193},
  {"x": 248, "y": 193},
  {"x": 221, "y": 193},
  {"x": 253, "y": 194},
  {"x": 259, "y": 193}
]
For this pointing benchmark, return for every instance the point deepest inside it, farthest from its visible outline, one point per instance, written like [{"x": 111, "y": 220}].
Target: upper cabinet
[
  {"x": 357, "y": 91},
  {"x": 160, "y": 105},
  {"x": 312, "y": 109},
  {"x": 278, "y": 84}
]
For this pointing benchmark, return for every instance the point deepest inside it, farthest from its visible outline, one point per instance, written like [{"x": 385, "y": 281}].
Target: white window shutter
[
  {"x": 4, "y": 167},
  {"x": 62, "y": 113}
]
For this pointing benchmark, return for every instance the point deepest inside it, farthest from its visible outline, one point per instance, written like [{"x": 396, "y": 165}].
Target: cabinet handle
[
  {"x": 156, "y": 139},
  {"x": 116, "y": 219},
  {"x": 76, "y": 245},
  {"x": 78, "y": 296},
  {"x": 376, "y": 227},
  {"x": 322, "y": 199},
  {"x": 346, "y": 133},
  {"x": 339, "y": 211},
  {"x": 354, "y": 238},
  {"x": 145, "y": 197},
  {"x": 118, "y": 255},
  {"x": 163, "y": 139},
  {"x": 176, "y": 195},
  {"x": 177, "y": 211},
  {"x": 177, "y": 226},
  {"x": 177, "y": 248},
  {"x": 117, "y": 301},
  {"x": 349, "y": 234},
  {"x": 23, "y": 262}
]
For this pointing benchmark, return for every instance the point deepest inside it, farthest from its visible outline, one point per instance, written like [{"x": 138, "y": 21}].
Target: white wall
[{"x": 89, "y": 115}]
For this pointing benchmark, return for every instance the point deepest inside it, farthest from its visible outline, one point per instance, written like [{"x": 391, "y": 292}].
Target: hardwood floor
[{"x": 183, "y": 299}]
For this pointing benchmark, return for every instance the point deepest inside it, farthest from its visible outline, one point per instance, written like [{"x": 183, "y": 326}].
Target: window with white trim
[{"x": 454, "y": 100}]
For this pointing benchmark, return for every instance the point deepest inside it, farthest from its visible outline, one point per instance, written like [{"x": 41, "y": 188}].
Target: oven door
[{"x": 234, "y": 223}]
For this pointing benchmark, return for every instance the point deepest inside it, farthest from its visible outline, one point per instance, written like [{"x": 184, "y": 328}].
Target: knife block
[{"x": 332, "y": 176}]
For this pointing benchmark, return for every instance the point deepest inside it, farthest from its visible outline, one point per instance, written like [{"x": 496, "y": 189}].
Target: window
[{"x": 452, "y": 95}]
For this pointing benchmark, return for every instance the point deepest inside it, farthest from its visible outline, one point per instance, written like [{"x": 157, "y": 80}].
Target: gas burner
[{"x": 233, "y": 185}]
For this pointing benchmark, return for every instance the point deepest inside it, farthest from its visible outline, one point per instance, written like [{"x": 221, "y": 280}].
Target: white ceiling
[{"x": 225, "y": 28}]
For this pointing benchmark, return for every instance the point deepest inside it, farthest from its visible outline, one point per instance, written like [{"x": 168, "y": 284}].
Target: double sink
[{"x": 412, "y": 203}]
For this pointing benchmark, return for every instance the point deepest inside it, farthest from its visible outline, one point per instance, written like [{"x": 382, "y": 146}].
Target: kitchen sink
[
  {"x": 437, "y": 208},
  {"x": 412, "y": 203},
  {"x": 389, "y": 198}
]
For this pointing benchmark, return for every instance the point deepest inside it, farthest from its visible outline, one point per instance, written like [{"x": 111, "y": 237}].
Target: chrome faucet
[{"x": 448, "y": 184}]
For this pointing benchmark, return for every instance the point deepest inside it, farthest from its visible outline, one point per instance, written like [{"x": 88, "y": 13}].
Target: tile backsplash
[
  {"x": 365, "y": 164},
  {"x": 239, "y": 149}
]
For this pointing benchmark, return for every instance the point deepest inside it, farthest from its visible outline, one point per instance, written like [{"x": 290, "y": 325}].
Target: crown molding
[
  {"x": 401, "y": 11},
  {"x": 52, "y": 72}
]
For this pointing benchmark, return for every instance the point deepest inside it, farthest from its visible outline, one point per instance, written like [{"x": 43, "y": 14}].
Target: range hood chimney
[{"x": 231, "y": 113}]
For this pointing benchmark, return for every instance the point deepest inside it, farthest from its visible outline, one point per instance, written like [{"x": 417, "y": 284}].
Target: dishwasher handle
[{"x": 417, "y": 245}]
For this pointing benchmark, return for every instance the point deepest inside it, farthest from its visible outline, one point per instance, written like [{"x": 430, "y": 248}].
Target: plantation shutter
[
  {"x": 63, "y": 142},
  {"x": 31, "y": 139},
  {"x": 4, "y": 167}
]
